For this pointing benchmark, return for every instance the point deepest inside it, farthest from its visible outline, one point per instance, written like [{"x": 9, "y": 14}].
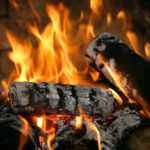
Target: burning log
[
  {"x": 12, "y": 134},
  {"x": 112, "y": 134},
  {"x": 32, "y": 98},
  {"x": 122, "y": 67}
]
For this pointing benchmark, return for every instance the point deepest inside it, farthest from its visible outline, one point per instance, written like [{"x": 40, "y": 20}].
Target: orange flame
[
  {"x": 53, "y": 60},
  {"x": 34, "y": 11},
  {"x": 133, "y": 41},
  {"x": 94, "y": 74},
  {"x": 121, "y": 15},
  {"x": 108, "y": 18},
  {"x": 94, "y": 128},
  {"x": 116, "y": 96},
  {"x": 51, "y": 138},
  {"x": 79, "y": 119},
  {"x": 14, "y": 4},
  {"x": 25, "y": 128},
  {"x": 96, "y": 5},
  {"x": 147, "y": 50}
]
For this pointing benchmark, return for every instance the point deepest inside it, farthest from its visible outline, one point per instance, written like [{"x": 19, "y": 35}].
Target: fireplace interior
[{"x": 74, "y": 74}]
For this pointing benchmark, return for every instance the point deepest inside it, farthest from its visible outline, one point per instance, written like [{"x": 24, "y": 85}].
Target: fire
[
  {"x": 87, "y": 118},
  {"x": 14, "y": 4},
  {"x": 25, "y": 128},
  {"x": 121, "y": 15},
  {"x": 53, "y": 60},
  {"x": 39, "y": 121},
  {"x": 108, "y": 19},
  {"x": 94, "y": 74},
  {"x": 116, "y": 96},
  {"x": 51, "y": 138},
  {"x": 57, "y": 55},
  {"x": 94, "y": 128},
  {"x": 118, "y": 78},
  {"x": 79, "y": 119},
  {"x": 133, "y": 41},
  {"x": 96, "y": 6},
  {"x": 147, "y": 50}
]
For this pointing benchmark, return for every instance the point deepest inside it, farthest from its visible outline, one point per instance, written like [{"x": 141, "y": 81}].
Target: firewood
[
  {"x": 122, "y": 67},
  {"x": 12, "y": 131},
  {"x": 124, "y": 121},
  {"x": 50, "y": 98}
]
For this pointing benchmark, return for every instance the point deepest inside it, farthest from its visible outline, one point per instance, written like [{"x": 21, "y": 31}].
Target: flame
[
  {"x": 108, "y": 19},
  {"x": 34, "y": 11},
  {"x": 14, "y": 4},
  {"x": 94, "y": 74},
  {"x": 121, "y": 15},
  {"x": 39, "y": 121},
  {"x": 116, "y": 96},
  {"x": 133, "y": 41},
  {"x": 53, "y": 60},
  {"x": 79, "y": 119},
  {"x": 51, "y": 138},
  {"x": 25, "y": 128},
  {"x": 118, "y": 78},
  {"x": 147, "y": 50},
  {"x": 96, "y": 5},
  {"x": 94, "y": 128}
]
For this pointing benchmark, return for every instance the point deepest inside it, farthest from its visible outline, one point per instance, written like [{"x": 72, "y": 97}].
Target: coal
[
  {"x": 112, "y": 134},
  {"x": 50, "y": 98},
  {"x": 11, "y": 131},
  {"x": 122, "y": 67}
]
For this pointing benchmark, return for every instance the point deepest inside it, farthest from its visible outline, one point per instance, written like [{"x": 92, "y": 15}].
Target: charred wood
[
  {"x": 112, "y": 135},
  {"x": 122, "y": 67},
  {"x": 32, "y": 98},
  {"x": 12, "y": 132}
]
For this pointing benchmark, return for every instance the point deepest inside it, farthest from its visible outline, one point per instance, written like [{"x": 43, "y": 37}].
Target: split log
[
  {"x": 50, "y": 98},
  {"x": 122, "y": 67}
]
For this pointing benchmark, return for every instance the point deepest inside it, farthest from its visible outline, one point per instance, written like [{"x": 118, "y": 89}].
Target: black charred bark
[
  {"x": 12, "y": 132},
  {"x": 32, "y": 98},
  {"x": 109, "y": 54}
]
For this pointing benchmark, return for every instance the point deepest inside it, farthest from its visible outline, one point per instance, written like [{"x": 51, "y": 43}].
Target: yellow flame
[
  {"x": 39, "y": 121},
  {"x": 133, "y": 41},
  {"x": 116, "y": 96},
  {"x": 79, "y": 119},
  {"x": 94, "y": 128}
]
